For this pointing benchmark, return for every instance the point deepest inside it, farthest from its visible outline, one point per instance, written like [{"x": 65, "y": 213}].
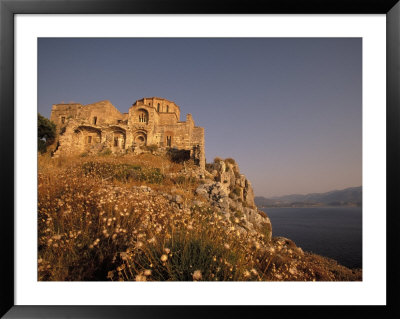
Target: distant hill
[{"x": 346, "y": 197}]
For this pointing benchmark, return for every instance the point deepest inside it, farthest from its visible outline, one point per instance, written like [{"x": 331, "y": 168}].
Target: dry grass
[
  {"x": 92, "y": 227},
  {"x": 96, "y": 222}
]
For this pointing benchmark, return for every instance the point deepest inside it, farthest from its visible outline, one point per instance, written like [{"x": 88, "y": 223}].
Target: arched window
[
  {"x": 158, "y": 107},
  {"x": 169, "y": 140},
  {"x": 143, "y": 116},
  {"x": 95, "y": 120}
]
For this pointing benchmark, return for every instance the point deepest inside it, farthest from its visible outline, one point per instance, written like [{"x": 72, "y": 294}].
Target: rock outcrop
[{"x": 231, "y": 193}]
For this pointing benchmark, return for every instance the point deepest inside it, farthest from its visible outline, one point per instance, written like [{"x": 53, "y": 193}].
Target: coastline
[{"x": 332, "y": 232}]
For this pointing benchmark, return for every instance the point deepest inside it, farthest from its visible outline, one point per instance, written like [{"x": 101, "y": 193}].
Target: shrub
[
  {"x": 190, "y": 253},
  {"x": 46, "y": 133},
  {"x": 42, "y": 146},
  {"x": 153, "y": 176},
  {"x": 180, "y": 180},
  {"x": 151, "y": 148},
  {"x": 105, "y": 152},
  {"x": 123, "y": 172}
]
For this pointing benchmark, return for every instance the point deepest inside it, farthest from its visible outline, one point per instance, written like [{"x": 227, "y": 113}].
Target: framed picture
[{"x": 30, "y": 32}]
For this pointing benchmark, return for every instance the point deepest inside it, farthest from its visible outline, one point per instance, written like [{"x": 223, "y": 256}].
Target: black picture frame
[{"x": 8, "y": 8}]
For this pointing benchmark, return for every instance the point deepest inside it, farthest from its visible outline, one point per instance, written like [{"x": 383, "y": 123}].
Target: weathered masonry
[{"x": 150, "y": 121}]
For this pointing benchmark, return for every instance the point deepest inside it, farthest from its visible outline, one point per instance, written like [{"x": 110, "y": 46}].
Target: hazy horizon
[
  {"x": 288, "y": 110},
  {"x": 332, "y": 190}
]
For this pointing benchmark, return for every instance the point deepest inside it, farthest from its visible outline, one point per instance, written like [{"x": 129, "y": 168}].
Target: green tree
[{"x": 46, "y": 133}]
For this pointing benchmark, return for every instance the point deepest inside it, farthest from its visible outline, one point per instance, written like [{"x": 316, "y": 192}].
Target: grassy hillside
[{"x": 138, "y": 217}]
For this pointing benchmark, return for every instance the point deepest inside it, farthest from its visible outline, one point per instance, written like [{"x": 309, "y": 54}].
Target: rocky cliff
[{"x": 231, "y": 192}]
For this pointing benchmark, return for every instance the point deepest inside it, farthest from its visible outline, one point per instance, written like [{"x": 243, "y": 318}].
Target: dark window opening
[
  {"x": 158, "y": 107},
  {"x": 115, "y": 141},
  {"x": 89, "y": 140},
  {"x": 169, "y": 138},
  {"x": 143, "y": 118},
  {"x": 63, "y": 120},
  {"x": 95, "y": 120},
  {"x": 167, "y": 108}
]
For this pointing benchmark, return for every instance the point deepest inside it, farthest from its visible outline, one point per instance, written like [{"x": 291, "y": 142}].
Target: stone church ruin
[{"x": 100, "y": 127}]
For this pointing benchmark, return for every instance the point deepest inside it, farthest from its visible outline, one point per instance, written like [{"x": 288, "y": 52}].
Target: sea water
[{"x": 334, "y": 232}]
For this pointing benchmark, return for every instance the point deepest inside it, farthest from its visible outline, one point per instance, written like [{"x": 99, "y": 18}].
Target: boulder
[{"x": 178, "y": 199}]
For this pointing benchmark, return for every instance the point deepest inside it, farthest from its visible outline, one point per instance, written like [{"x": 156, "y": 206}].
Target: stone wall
[
  {"x": 160, "y": 105},
  {"x": 61, "y": 113},
  {"x": 198, "y": 143},
  {"x": 94, "y": 127}
]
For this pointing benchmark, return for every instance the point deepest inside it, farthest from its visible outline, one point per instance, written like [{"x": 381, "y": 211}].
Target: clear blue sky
[{"x": 289, "y": 110}]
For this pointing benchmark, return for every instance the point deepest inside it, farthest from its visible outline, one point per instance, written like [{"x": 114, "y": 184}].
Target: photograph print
[{"x": 199, "y": 159}]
